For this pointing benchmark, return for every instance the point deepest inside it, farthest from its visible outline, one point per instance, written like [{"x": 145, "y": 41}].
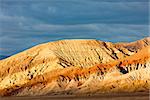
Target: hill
[{"x": 75, "y": 67}]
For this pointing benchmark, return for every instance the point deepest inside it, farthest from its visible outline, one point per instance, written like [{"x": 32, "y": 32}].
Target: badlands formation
[{"x": 77, "y": 67}]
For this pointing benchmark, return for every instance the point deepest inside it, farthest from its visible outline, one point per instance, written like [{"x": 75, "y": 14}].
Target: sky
[{"x": 26, "y": 23}]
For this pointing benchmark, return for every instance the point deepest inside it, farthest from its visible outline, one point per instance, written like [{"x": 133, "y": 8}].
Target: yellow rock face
[{"x": 77, "y": 67}]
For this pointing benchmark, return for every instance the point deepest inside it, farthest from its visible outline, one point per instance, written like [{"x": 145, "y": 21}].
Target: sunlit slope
[{"x": 77, "y": 67}]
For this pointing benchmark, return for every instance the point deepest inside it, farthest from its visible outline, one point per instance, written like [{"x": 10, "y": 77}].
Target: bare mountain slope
[{"x": 77, "y": 66}]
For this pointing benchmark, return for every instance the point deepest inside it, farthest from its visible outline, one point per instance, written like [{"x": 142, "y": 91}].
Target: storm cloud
[{"x": 25, "y": 23}]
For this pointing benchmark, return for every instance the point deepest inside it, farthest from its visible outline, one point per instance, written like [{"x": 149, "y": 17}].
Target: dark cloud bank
[{"x": 25, "y": 23}]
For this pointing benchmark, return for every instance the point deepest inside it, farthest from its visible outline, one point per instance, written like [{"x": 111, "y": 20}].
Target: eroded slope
[{"x": 76, "y": 66}]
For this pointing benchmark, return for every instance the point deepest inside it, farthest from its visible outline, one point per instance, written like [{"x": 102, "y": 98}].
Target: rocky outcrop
[{"x": 77, "y": 67}]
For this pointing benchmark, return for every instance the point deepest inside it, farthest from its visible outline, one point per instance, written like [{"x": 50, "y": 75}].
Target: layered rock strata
[{"x": 75, "y": 67}]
